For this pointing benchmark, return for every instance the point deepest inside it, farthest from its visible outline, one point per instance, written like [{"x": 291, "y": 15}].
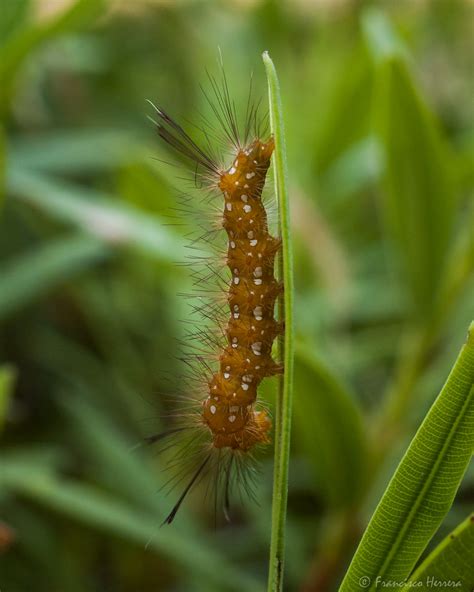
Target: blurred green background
[{"x": 379, "y": 113}]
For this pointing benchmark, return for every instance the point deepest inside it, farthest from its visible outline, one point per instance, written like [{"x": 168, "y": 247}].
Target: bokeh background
[{"x": 379, "y": 112}]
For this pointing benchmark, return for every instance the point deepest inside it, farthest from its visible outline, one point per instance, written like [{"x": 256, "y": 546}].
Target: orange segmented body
[
  {"x": 246, "y": 359},
  {"x": 217, "y": 435}
]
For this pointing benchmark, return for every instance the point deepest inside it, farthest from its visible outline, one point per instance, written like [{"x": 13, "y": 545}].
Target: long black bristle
[
  {"x": 174, "y": 135},
  {"x": 171, "y": 516}
]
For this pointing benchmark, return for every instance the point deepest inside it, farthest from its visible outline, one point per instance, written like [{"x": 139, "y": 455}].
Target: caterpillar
[{"x": 227, "y": 423}]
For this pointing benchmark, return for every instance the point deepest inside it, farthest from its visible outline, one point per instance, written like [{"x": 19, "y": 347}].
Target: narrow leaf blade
[
  {"x": 451, "y": 561},
  {"x": 424, "y": 485}
]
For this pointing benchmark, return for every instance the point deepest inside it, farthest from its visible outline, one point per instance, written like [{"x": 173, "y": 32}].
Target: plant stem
[{"x": 283, "y": 407}]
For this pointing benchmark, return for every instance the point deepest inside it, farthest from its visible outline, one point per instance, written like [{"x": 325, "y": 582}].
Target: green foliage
[
  {"x": 30, "y": 276},
  {"x": 330, "y": 427},
  {"x": 424, "y": 485},
  {"x": 420, "y": 203},
  {"x": 97, "y": 214},
  {"x": 378, "y": 121},
  {"x": 102, "y": 511},
  {"x": 25, "y": 39},
  {"x": 7, "y": 384},
  {"x": 285, "y": 391},
  {"x": 451, "y": 561}
]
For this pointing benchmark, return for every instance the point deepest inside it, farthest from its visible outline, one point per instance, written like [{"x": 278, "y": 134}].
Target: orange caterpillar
[
  {"x": 229, "y": 411},
  {"x": 228, "y": 419}
]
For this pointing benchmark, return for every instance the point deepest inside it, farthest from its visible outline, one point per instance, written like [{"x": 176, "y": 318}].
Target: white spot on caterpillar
[
  {"x": 249, "y": 175},
  {"x": 236, "y": 162},
  {"x": 228, "y": 206},
  {"x": 246, "y": 186},
  {"x": 232, "y": 418},
  {"x": 258, "y": 272},
  {"x": 232, "y": 245},
  {"x": 253, "y": 243},
  {"x": 213, "y": 409},
  {"x": 250, "y": 234},
  {"x": 216, "y": 398},
  {"x": 236, "y": 281},
  {"x": 236, "y": 183},
  {"x": 247, "y": 208},
  {"x": 257, "y": 313},
  {"x": 236, "y": 315},
  {"x": 257, "y": 347},
  {"x": 247, "y": 378},
  {"x": 236, "y": 270},
  {"x": 244, "y": 197},
  {"x": 232, "y": 170},
  {"x": 257, "y": 282},
  {"x": 244, "y": 386},
  {"x": 226, "y": 375}
]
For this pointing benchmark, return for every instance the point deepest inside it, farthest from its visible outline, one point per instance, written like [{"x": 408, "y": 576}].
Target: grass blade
[
  {"x": 96, "y": 213},
  {"x": 28, "y": 277},
  {"x": 283, "y": 409},
  {"x": 104, "y": 512},
  {"x": 424, "y": 485},
  {"x": 7, "y": 384}
]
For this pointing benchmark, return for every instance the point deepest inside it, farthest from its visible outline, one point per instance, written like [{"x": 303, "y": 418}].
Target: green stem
[{"x": 283, "y": 407}]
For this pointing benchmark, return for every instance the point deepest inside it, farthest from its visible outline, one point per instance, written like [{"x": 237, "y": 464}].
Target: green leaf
[
  {"x": 355, "y": 169},
  {"x": 29, "y": 276},
  {"x": 450, "y": 561},
  {"x": 329, "y": 426},
  {"x": 20, "y": 45},
  {"x": 7, "y": 384},
  {"x": 117, "y": 464},
  {"x": 382, "y": 40},
  {"x": 418, "y": 204},
  {"x": 347, "y": 114},
  {"x": 423, "y": 487},
  {"x": 75, "y": 151},
  {"x": 97, "y": 214},
  {"x": 102, "y": 511},
  {"x": 12, "y": 17},
  {"x": 3, "y": 165},
  {"x": 285, "y": 391}
]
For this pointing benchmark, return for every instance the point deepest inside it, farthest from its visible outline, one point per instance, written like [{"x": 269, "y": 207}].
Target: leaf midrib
[{"x": 422, "y": 494}]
